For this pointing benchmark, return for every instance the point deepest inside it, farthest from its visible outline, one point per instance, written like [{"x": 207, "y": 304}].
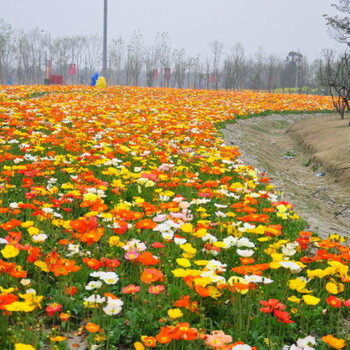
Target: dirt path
[{"x": 265, "y": 144}]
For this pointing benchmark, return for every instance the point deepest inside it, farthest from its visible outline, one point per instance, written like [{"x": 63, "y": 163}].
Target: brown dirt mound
[
  {"x": 306, "y": 157},
  {"x": 327, "y": 140}
]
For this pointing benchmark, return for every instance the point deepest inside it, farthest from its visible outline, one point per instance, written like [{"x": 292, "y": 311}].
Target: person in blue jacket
[{"x": 94, "y": 79}]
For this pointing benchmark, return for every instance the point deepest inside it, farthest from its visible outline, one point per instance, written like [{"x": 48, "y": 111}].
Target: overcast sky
[{"x": 278, "y": 26}]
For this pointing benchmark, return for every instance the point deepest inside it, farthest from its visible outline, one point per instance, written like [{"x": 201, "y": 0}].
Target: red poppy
[
  {"x": 27, "y": 182},
  {"x": 34, "y": 254},
  {"x": 334, "y": 301},
  {"x": 120, "y": 227},
  {"x": 111, "y": 263},
  {"x": 346, "y": 302},
  {"x": 52, "y": 308},
  {"x": 158, "y": 245},
  {"x": 70, "y": 290},
  {"x": 93, "y": 263},
  {"x": 275, "y": 307},
  {"x": 6, "y": 299}
]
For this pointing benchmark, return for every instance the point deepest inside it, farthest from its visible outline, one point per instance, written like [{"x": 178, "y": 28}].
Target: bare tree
[
  {"x": 304, "y": 75},
  {"x": 93, "y": 55},
  {"x": 192, "y": 72},
  {"x": 180, "y": 66},
  {"x": 61, "y": 53},
  {"x": 151, "y": 65},
  {"x": 216, "y": 48},
  {"x": 335, "y": 75},
  {"x": 340, "y": 26},
  {"x": 273, "y": 71},
  {"x": 257, "y": 70},
  {"x": 163, "y": 47},
  {"x": 134, "y": 59},
  {"x": 23, "y": 61},
  {"x": 77, "y": 52},
  {"x": 235, "y": 68},
  {"x": 116, "y": 52},
  {"x": 7, "y": 51},
  {"x": 35, "y": 55}
]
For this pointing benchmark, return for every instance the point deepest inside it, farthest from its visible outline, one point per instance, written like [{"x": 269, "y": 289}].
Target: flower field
[{"x": 127, "y": 222}]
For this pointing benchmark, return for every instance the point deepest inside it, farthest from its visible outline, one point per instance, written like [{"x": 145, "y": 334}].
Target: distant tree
[
  {"x": 207, "y": 74},
  {"x": 180, "y": 67},
  {"x": 216, "y": 48},
  {"x": 22, "y": 58},
  {"x": 25, "y": 57},
  {"x": 257, "y": 70},
  {"x": 335, "y": 75},
  {"x": 273, "y": 70},
  {"x": 152, "y": 65},
  {"x": 7, "y": 51},
  {"x": 134, "y": 59},
  {"x": 93, "y": 57},
  {"x": 61, "y": 53},
  {"x": 304, "y": 72},
  {"x": 340, "y": 25},
  {"x": 163, "y": 47},
  {"x": 193, "y": 72},
  {"x": 79, "y": 44},
  {"x": 291, "y": 72},
  {"x": 235, "y": 67},
  {"x": 116, "y": 54}
]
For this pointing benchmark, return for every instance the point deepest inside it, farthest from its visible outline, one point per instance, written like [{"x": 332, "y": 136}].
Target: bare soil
[{"x": 307, "y": 157}]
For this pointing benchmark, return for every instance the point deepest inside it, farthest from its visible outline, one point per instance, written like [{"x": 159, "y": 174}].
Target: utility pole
[{"x": 104, "y": 68}]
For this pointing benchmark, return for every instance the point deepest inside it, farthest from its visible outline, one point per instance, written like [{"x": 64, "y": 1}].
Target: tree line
[{"x": 32, "y": 57}]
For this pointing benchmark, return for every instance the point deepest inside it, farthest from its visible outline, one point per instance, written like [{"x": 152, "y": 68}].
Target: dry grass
[{"x": 327, "y": 140}]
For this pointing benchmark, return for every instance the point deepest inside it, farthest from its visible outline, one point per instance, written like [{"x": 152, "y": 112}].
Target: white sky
[{"x": 278, "y": 26}]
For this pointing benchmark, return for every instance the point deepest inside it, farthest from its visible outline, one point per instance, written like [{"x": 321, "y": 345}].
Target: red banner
[{"x": 72, "y": 69}]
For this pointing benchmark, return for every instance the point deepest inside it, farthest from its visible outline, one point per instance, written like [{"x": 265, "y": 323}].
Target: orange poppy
[
  {"x": 151, "y": 275},
  {"x": 147, "y": 258},
  {"x": 9, "y": 225},
  {"x": 146, "y": 224},
  {"x": 91, "y": 237},
  {"x": 334, "y": 342},
  {"x": 149, "y": 341},
  {"x": 92, "y": 327}
]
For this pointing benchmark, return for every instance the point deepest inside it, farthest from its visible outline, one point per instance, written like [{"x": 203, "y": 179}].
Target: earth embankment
[{"x": 307, "y": 157}]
